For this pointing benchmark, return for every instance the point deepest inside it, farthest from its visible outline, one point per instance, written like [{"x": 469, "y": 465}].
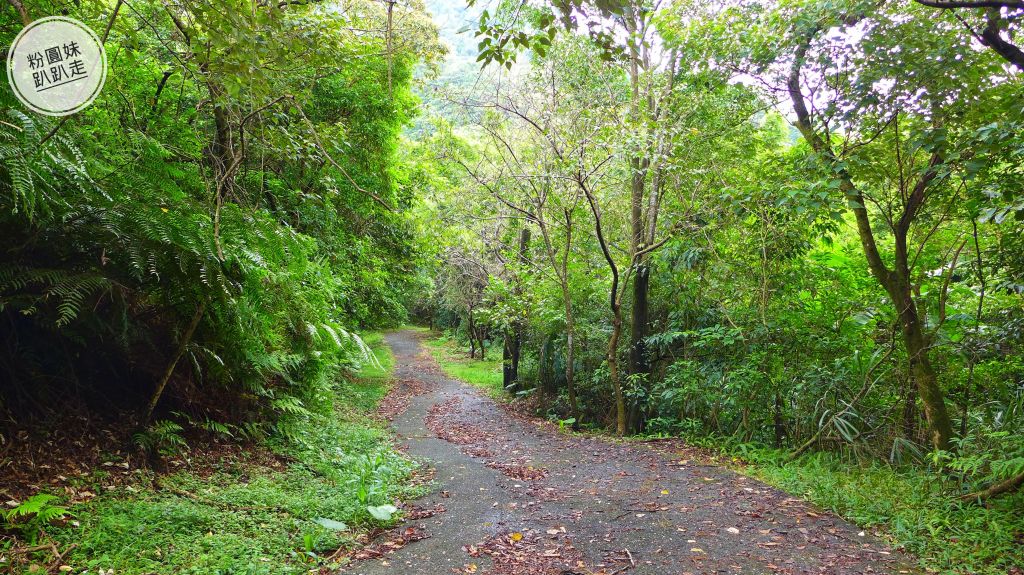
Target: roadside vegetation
[
  {"x": 273, "y": 507},
  {"x": 187, "y": 263}
]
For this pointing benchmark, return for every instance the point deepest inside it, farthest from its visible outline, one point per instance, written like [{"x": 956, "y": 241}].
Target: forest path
[{"x": 516, "y": 496}]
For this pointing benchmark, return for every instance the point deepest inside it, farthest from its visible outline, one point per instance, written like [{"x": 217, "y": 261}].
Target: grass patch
[
  {"x": 371, "y": 383},
  {"x": 455, "y": 362},
  {"x": 385, "y": 361},
  {"x": 251, "y": 513},
  {"x": 912, "y": 508}
]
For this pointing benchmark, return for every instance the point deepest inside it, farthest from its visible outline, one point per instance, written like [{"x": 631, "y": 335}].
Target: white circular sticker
[{"x": 57, "y": 66}]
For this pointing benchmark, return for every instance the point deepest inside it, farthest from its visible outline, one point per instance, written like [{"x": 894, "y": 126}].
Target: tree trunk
[
  {"x": 186, "y": 338},
  {"x": 613, "y": 373},
  {"x": 222, "y": 160},
  {"x": 545, "y": 371},
  {"x": 990, "y": 36},
  {"x": 972, "y": 355},
  {"x": 639, "y": 364},
  {"x": 940, "y": 428},
  {"x": 909, "y": 411},
  {"x": 514, "y": 340},
  {"x": 570, "y": 360},
  {"x": 510, "y": 360},
  {"x": 19, "y": 7},
  {"x": 508, "y": 368},
  {"x": 471, "y": 330},
  {"x": 570, "y": 319},
  {"x": 1005, "y": 486},
  {"x": 615, "y": 303},
  {"x": 780, "y": 424}
]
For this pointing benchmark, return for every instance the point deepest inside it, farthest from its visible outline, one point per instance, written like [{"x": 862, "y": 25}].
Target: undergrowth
[{"x": 285, "y": 507}]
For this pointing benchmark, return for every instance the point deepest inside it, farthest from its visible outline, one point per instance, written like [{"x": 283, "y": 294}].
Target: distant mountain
[
  {"x": 459, "y": 69},
  {"x": 460, "y": 73},
  {"x": 452, "y": 16}
]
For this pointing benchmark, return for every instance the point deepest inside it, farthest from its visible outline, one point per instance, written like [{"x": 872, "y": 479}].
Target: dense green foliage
[
  {"x": 189, "y": 259},
  {"x": 791, "y": 225},
  {"x": 219, "y": 180}
]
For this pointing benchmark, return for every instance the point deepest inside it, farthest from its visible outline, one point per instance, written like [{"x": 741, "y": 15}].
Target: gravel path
[{"x": 513, "y": 495}]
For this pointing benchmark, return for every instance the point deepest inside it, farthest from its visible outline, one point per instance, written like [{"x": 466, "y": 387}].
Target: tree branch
[{"x": 950, "y": 4}]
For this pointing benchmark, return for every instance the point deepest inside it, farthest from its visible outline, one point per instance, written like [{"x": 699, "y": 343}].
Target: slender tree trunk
[
  {"x": 940, "y": 428},
  {"x": 545, "y": 371},
  {"x": 570, "y": 323},
  {"x": 909, "y": 411},
  {"x": 939, "y": 425},
  {"x": 222, "y": 158},
  {"x": 990, "y": 35},
  {"x": 615, "y": 302},
  {"x": 514, "y": 340},
  {"x": 613, "y": 373},
  {"x": 1006, "y": 486},
  {"x": 561, "y": 266},
  {"x": 186, "y": 338},
  {"x": 471, "y": 330},
  {"x": 780, "y": 423},
  {"x": 570, "y": 357},
  {"x": 510, "y": 360},
  {"x": 508, "y": 376},
  {"x": 639, "y": 365},
  {"x": 972, "y": 355},
  {"x": 992, "y": 38},
  {"x": 19, "y": 7}
]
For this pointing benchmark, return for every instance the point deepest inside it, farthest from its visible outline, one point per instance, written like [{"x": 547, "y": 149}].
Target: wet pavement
[{"x": 515, "y": 495}]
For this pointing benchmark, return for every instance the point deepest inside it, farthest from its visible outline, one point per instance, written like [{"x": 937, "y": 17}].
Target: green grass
[
  {"x": 384, "y": 362},
  {"x": 371, "y": 383},
  {"x": 252, "y": 517},
  {"x": 909, "y": 507},
  {"x": 455, "y": 362}
]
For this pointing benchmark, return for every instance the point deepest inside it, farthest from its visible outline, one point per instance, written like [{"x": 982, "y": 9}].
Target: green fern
[
  {"x": 162, "y": 437},
  {"x": 31, "y": 516}
]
